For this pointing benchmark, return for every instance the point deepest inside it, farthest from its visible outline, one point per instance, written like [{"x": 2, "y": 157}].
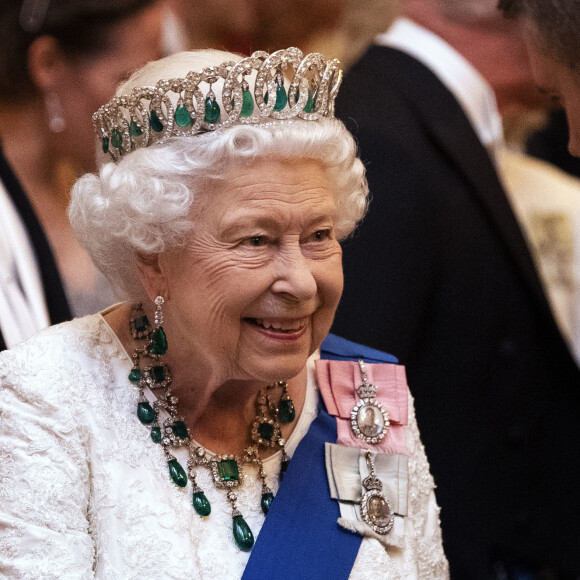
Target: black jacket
[{"x": 439, "y": 274}]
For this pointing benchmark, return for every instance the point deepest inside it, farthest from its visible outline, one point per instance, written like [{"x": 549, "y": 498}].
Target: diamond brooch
[
  {"x": 369, "y": 420},
  {"x": 376, "y": 510}
]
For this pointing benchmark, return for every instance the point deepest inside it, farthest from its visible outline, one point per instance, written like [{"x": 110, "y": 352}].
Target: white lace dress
[{"x": 85, "y": 493}]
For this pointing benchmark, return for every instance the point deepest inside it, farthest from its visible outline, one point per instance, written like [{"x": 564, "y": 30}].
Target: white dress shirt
[{"x": 23, "y": 310}]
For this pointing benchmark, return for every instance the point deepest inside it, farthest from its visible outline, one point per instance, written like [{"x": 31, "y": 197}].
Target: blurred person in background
[
  {"x": 444, "y": 266},
  {"x": 220, "y": 24},
  {"x": 550, "y": 32},
  {"x": 556, "y": 37},
  {"x": 545, "y": 201},
  {"x": 549, "y": 141},
  {"x": 59, "y": 60},
  {"x": 340, "y": 27}
]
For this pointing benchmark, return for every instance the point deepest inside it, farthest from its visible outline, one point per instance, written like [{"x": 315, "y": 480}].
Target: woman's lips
[{"x": 282, "y": 325}]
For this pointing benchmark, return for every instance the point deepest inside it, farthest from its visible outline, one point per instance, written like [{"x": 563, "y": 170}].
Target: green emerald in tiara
[
  {"x": 117, "y": 138},
  {"x": 281, "y": 97},
  {"x": 182, "y": 116},
  {"x": 141, "y": 118},
  {"x": 134, "y": 129},
  {"x": 155, "y": 122},
  {"x": 247, "y": 104},
  {"x": 310, "y": 102},
  {"x": 212, "y": 110}
]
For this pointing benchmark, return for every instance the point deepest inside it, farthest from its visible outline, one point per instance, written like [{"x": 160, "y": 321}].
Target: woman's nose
[{"x": 294, "y": 275}]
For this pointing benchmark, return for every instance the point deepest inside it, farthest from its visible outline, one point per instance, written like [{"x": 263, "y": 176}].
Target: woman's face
[{"x": 255, "y": 290}]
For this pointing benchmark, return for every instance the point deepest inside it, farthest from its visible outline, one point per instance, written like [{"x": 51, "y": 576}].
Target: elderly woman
[{"x": 151, "y": 440}]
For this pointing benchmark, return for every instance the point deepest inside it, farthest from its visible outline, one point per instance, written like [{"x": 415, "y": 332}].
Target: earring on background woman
[{"x": 56, "y": 120}]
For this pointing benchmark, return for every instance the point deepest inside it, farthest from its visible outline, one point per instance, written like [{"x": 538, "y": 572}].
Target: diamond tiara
[{"x": 149, "y": 115}]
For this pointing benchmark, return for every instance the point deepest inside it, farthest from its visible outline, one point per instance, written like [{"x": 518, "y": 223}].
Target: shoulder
[
  {"x": 407, "y": 77},
  {"x": 53, "y": 339},
  {"x": 528, "y": 176},
  {"x": 55, "y": 364},
  {"x": 364, "y": 100},
  {"x": 337, "y": 348},
  {"x": 380, "y": 57}
]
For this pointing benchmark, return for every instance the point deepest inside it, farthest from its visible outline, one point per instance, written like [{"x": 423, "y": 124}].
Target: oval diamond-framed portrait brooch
[
  {"x": 369, "y": 420},
  {"x": 376, "y": 510}
]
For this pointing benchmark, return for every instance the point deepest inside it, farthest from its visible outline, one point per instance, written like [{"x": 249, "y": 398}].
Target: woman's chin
[
  {"x": 280, "y": 354},
  {"x": 269, "y": 369}
]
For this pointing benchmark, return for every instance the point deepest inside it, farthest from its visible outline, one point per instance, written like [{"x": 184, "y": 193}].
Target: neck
[
  {"x": 218, "y": 413},
  {"x": 224, "y": 426},
  {"x": 26, "y": 141}
]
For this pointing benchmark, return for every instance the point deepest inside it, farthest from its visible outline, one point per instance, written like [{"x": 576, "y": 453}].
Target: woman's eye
[
  {"x": 321, "y": 235},
  {"x": 256, "y": 241}
]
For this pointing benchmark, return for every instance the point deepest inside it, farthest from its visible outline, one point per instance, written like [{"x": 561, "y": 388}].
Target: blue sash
[{"x": 300, "y": 538}]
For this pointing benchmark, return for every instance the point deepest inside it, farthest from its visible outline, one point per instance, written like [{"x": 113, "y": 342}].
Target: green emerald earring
[{"x": 158, "y": 338}]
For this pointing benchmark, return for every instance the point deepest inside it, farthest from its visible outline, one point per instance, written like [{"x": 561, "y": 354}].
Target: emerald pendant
[
  {"x": 286, "y": 411},
  {"x": 309, "y": 106},
  {"x": 117, "y": 138},
  {"x": 141, "y": 324},
  {"x": 155, "y": 122},
  {"x": 267, "y": 499},
  {"x": 201, "y": 504},
  {"x": 146, "y": 413},
  {"x": 212, "y": 110},
  {"x": 182, "y": 116},
  {"x": 177, "y": 473},
  {"x": 105, "y": 145},
  {"x": 266, "y": 431},
  {"x": 134, "y": 129},
  {"x": 180, "y": 429},
  {"x": 247, "y": 104},
  {"x": 284, "y": 468},
  {"x": 281, "y": 97},
  {"x": 159, "y": 341},
  {"x": 242, "y": 534},
  {"x": 135, "y": 375},
  {"x": 157, "y": 374},
  {"x": 156, "y": 434},
  {"x": 228, "y": 470}
]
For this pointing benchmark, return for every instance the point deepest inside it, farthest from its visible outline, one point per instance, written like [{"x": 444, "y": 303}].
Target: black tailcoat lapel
[{"x": 443, "y": 119}]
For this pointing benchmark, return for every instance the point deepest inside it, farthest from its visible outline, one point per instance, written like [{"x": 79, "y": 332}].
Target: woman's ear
[
  {"x": 153, "y": 276},
  {"x": 46, "y": 63}
]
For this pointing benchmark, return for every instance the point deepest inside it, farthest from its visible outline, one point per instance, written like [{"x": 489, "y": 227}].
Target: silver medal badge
[
  {"x": 376, "y": 509},
  {"x": 369, "y": 420}
]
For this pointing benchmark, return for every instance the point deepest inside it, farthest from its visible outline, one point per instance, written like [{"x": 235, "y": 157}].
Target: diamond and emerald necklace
[{"x": 273, "y": 408}]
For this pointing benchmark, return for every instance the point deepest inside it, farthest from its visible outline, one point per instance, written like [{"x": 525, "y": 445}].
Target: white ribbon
[{"x": 346, "y": 468}]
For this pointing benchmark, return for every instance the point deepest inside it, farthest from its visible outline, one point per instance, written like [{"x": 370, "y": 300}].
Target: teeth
[{"x": 278, "y": 325}]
